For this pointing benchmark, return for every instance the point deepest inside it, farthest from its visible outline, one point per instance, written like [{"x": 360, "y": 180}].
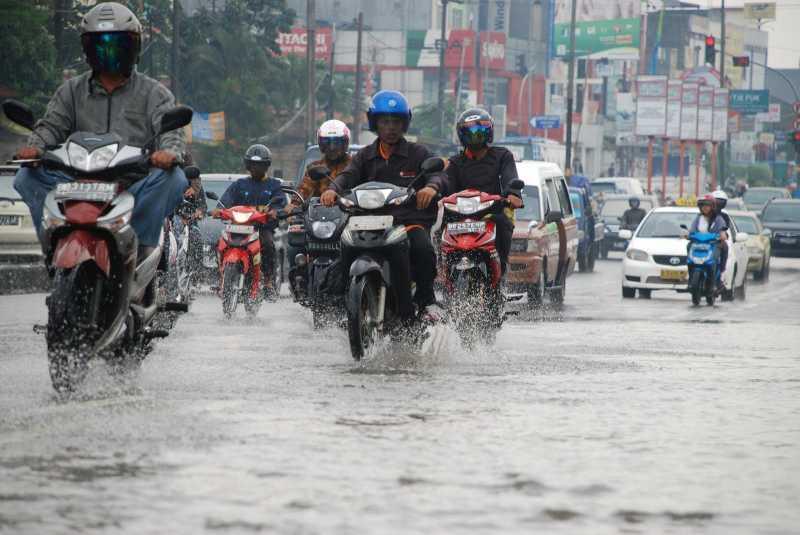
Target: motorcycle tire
[
  {"x": 470, "y": 318},
  {"x": 696, "y": 286},
  {"x": 230, "y": 288},
  {"x": 362, "y": 309},
  {"x": 251, "y": 306}
]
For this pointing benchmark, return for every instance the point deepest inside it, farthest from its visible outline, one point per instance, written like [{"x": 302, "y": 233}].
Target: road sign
[
  {"x": 749, "y": 102},
  {"x": 545, "y": 122}
]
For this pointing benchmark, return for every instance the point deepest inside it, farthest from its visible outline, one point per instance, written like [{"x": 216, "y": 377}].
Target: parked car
[
  {"x": 736, "y": 203},
  {"x": 611, "y": 211},
  {"x": 590, "y": 229},
  {"x": 18, "y": 241},
  {"x": 312, "y": 155},
  {"x": 617, "y": 185},
  {"x": 782, "y": 218},
  {"x": 756, "y": 198},
  {"x": 759, "y": 245},
  {"x": 545, "y": 241},
  {"x": 656, "y": 256}
]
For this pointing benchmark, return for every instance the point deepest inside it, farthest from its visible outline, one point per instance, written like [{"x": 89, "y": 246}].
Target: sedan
[
  {"x": 759, "y": 246},
  {"x": 656, "y": 256},
  {"x": 18, "y": 241},
  {"x": 782, "y": 217}
]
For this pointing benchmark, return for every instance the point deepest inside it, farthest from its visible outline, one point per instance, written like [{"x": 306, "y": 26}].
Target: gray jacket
[{"x": 133, "y": 112}]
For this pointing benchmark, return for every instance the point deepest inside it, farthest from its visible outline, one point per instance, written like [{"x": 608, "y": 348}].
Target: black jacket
[
  {"x": 632, "y": 217},
  {"x": 491, "y": 174},
  {"x": 400, "y": 169}
]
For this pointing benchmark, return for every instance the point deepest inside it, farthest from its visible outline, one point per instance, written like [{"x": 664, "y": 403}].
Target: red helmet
[{"x": 706, "y": 200}]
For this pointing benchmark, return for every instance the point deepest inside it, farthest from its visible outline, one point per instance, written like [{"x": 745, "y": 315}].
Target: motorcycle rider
[
  {"x": 393, "y": 159},
  {"x": 720, "y": 201},
  {"x": 486, "y": 168},
  {"x": 633, "y": 215},
  {"x": 265, "y": 194},
  {"x": 708, "y": 220},
  {"x": 111, "y": 97}
]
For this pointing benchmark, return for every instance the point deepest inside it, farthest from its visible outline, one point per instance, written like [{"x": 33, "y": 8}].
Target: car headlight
[
  {"x": 240, "y": 217},
  {"x": 372, "y": 199},
  {"x": 638, "y": 255},
  {"x": 323, "y": 229}
]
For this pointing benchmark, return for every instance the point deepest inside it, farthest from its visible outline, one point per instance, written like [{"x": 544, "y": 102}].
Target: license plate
[
  {"x": 788, "y": 240},
  {"x": 466, "y": 227},
  {"x": 674, "y": 275},
  {"x": 240, "y": 229},
  {"x": 370, "y": 222},
  {"x": 87, "y": 191},
  {"x": 9, "y": 220}
]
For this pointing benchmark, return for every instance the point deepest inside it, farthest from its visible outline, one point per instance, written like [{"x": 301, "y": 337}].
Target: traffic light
[
  {"x": 795, "y": 138},
  {"x": 711, "y": 49},
  {"x": 741, "y": 61},
  {"x": 522, "y": 69}
]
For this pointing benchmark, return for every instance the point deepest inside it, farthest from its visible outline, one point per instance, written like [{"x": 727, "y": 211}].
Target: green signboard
[
  {"x": 749, "y": 102},
  {"x": 615, "y": 38}
]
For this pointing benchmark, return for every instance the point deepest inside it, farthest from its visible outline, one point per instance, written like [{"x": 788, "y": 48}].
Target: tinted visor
[
  {"x": 111, "y": 52},
  {"x": 327, "y": 144},
  {"x": 475, "y": 132}
]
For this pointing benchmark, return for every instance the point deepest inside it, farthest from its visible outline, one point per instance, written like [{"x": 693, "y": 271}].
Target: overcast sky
[{"x": 784, "y": 34}]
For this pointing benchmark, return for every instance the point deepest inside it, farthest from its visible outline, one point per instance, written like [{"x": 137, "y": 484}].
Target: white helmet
[
  {"x": 721, "y": 198},
  {"x": 333, "y": 134}
]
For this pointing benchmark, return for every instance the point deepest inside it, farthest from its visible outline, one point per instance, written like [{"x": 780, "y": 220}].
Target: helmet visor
[
  {"x": 328, "y": 144},
  {"x": 476, "y": 132},
  {"x": 111, "y": 52}
]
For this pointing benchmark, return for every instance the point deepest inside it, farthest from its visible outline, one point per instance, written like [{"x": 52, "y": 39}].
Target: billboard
[
  {"x": 689, "y": 111},
  {"x": 759, "y": 10},
  {"x": 296, "y": 43},
  {"x": 705, "y": 113},
  {"x": 749, "y": 102},
  {"x": 651, "y": 106},
  {"x": 720, "y": 114},
  {"x": 674, "y": 93},
  {"x": 207, "y": 128},
  {"x": 613, "y": 39},
  {"x": 421, "y": 49},
  {"x": 625, "y": 114},
  {"x": 592, "y": 10}
]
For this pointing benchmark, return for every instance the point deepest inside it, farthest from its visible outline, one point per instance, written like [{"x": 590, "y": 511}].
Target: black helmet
[
  {"x": 257, "y": 154},
  {"x": 634, "y": 202},
  {"x": 111, "y": 37},
  {"x": 475, "y": 127}
]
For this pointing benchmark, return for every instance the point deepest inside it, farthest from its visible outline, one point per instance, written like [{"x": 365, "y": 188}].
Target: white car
[
  {"x": 656, "y": 255},
  {"x": 621, "y": 185},
  {"x": 18, "y": 241}
]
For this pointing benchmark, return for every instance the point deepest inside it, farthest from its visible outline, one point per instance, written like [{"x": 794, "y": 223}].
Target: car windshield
[
  {"x": 532, "y": 210},
  {"x": 782, "y": 213},
  {"x": 577, "y": 207},
  {"x": 746, "y": 224},
  {"x": 603, "y": 187},
  {"x": 761, "y": 196},
  {"x": 665, "y": 224},
  {"x": 614, "y": 208},
  {"x": 218, "y": 187},
  {"x": 7, "y": 187}
]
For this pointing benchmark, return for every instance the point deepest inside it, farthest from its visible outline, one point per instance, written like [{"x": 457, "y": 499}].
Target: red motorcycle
[
  {"x": 470, "y": 270},
  {"x": 239, "y": 257}
]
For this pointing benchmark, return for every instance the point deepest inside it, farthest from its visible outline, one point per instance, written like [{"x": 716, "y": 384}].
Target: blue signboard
[
  {"x": 546, "y": 122},
  {"x": 749, "y": 102}
]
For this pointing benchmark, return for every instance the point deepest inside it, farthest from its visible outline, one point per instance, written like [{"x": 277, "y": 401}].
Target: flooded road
[{"x": 609, "y": 416}]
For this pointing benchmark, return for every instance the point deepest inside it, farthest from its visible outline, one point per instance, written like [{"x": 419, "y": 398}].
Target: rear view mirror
[
  {"x": 192, "y": 172},
  {"x": 211, "y": 195},
  {"x": 553, "y": 216},
  {"x": 625, "y": 234},
  {"x": 767, "y": 232},
  {"x": 319, "y": 172},
  {"x": 432, "y": 165},
  {"x": 19, "y": 113},
  {"x": 177, "y": 117}
]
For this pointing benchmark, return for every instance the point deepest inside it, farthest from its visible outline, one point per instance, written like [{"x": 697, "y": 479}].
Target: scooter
[
  {"x": 104, "y": 294},
  {"x": 371, "y": 237},
  {"x": 703, "y": 264},
  {"x": 472, "y": 269}
]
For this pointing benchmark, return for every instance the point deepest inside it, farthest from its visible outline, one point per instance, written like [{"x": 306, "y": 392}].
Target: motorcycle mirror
[
  {"x": 684, "y": 227},
  {"x": 192, "y": 172},
  {"x": 177, "y": 117},
  {"x": 432, "y": 165},
  {"x": 19, "y": 113},
  {"x": 211, "y": 195},
  {"x": 318, "y": 173}
]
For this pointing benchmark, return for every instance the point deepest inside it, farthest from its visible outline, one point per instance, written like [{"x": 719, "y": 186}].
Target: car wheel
[
  {"x": 645, "y": 293},
  {"x": 729, "y": 294},
  {"x": 628, "y": 293},
  {"x": 536, "y": 291}
]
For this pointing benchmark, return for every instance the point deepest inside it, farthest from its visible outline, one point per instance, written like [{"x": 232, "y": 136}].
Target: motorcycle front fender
[
  {"x": 80, "y": 246},
  {"x": 364, "y": 264},
  {"x": 233, "y": 255}
]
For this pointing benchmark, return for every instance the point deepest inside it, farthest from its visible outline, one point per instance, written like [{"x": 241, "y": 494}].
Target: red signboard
[
  {"x": 461, "y": 50},
  {"x": 296, "y": 42}
]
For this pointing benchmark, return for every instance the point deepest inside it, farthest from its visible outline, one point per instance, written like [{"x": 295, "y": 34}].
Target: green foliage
[
  {"x": 425, "y": 121},
  {"x": 759, "y": 174}
]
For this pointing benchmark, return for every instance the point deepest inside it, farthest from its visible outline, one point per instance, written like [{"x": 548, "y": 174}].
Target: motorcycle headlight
[
  {"x": 372, "y": 199},
  {"x": 78, "y": 156},
  {"x": 100, "y": 158},
  {"x": 323, "y": 229},
  {"x": 470, "y": 205},
  {"x": 240, "y": 217},
  {"x": 637, "y": 254}
]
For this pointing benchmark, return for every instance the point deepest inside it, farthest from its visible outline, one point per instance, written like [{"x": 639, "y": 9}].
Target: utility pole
[
  {"x": 311, "y": 55},
  {"x": 442, "y": 52},
  {"x": 331, "y": 85},
  {"x": 570, "y": 83},
  {"x": 722, "y": 145},
  {"x": 176, "y": 33},
  {"x": 357, "y": 97}
]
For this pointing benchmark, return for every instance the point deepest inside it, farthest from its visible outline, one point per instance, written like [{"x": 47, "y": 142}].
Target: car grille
[
  {"x": 632, "y": 278},
  {"x": 519, "y": 245},
  {"x": 666, "y": 260}
]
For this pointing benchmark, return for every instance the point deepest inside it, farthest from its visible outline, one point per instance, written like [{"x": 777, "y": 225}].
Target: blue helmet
[{"x": 388, "y": 103}]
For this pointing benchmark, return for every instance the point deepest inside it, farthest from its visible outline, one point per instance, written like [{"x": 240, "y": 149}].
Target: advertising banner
[
  {"x": 720, "y": 114},
  {"x": 208, "y": 128},
  {"x": 674, "y": 93},
  {"x": 597, "y": 9},
  {"x": 651, "y": 106},
  {"x": 626, "y": 111},
  {"x": 689, "y": 111},
  {"x": 296, "y": 43},
  {"x": 613, "y": 39},
  {"x": 705, "y": 113},
  {"x": 772, "y": 116},
  {"x": 759, "y": 10}
]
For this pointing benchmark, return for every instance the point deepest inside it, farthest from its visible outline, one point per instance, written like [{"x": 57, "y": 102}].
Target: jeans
[{"x": 155, "y": 197}]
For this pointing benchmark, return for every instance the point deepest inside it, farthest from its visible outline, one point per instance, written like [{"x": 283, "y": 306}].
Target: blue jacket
[
  {"x": 580, "y": 181},
  {"x": 249, "y": 192}
]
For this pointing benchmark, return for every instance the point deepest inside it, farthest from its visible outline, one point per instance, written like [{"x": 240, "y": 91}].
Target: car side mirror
[
  {"x": 625, "y": 234},
  {"x": 19, "y": 113},
  {"x": 742, "y": 237},
  {"x": 192, "y": 172},
  {"x": 318, "y": 173},
  {"x": 432, "y": 165},
  {"x": 211, "y": 195},
  {"x": 177, "y": 117},
  {"x": 553, "y": 216}
]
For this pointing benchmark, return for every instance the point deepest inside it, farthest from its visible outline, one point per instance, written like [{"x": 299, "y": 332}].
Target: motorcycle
[
  {"x": 104, "y": 285},
  {"x": 317, "y": 278},
  {"x": 471, "y": 265},
  {"x": 703, "y": 264},
  {"x": 186, "y": 232},
  {"x": 370, "y": 237}
]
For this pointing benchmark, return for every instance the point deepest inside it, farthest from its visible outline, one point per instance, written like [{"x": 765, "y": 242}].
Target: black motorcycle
[
  {"x": 371, "y": 237},
  {"x": 104, "y": 295}
]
